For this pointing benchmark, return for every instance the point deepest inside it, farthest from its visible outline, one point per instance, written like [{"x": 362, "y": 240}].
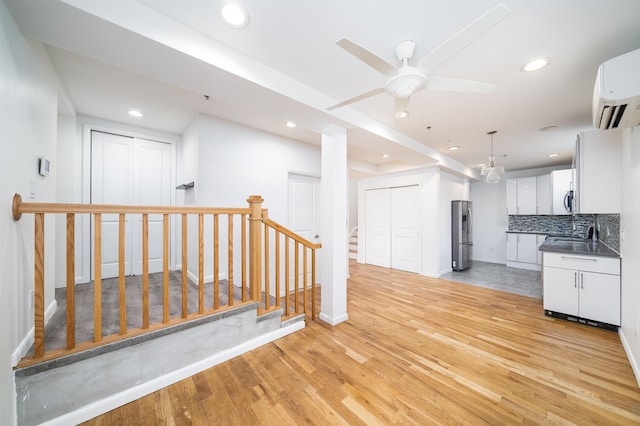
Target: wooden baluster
[
  {"x": 313, "y": 284},
  {"x": 145, "y": 270},
  {"x": 255, "y": 255},
  {"x": 185, "y": 277},
  {"x": 97, "y": 277},
  {"x": 267, "y": 298},
  {"x": 277, "y": 277},
  {"x": 287, "y": 273},
  {"x": 243, "y": 221},
  {"x": 38, "y": 291},
  {"x": 230, "y": 257},
  {"x": 200, "y": 263},
  {"x": 216, "y": 262},
  {"x": 165, "y": 267},
  {"x": 121, "y": 279},
  {"x": 71, "y": 281},
  {"x": 296, "y": 279},
  {"x": 304, "y": 281}
]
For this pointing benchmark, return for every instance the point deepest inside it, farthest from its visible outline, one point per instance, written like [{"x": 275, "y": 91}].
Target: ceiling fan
[{"x": 404, "y": 81}]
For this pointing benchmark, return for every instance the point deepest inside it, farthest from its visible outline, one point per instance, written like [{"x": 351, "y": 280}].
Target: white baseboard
[
  {"x": 114, "y": 401},
  {"x": 430, "y": 275},
  {"x": 333, "y": 321},
  {"x": 27, "y": 341},
  {"x": 629, "y": 352},
  {"x": 207, "y": 278}
]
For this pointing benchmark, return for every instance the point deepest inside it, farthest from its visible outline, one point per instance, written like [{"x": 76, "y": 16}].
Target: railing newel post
[{"x": 255, "y": 254}]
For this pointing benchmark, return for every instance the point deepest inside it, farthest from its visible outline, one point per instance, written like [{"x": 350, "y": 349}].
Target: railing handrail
[
  {"x": 20, "y": 207},
  {"x": 291, "y": 234}
]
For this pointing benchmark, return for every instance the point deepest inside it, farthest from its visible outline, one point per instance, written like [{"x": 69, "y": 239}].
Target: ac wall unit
[{"x": 616, "y": 96}]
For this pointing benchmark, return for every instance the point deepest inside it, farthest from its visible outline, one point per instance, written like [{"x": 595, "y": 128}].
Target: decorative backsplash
[{"x": 609, "y": 225}]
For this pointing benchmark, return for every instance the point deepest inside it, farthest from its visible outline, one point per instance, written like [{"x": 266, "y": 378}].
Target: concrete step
[{"x": 78, "y": 387}]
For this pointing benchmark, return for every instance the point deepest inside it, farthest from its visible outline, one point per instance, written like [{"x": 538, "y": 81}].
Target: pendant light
[{"x": 493, "y": 170}]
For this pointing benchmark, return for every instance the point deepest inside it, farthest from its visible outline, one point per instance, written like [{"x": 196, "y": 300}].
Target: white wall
[
  {"x": 28, "y": 100},
  {"x": 490, "y": 221},
  {"x": 630, "y": 247},
  {"x": 230, "y": 162}
]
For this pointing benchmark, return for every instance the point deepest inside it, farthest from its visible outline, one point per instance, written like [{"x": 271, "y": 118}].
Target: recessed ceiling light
[
  {"x": 535, "y": 64},
  {"x": 454, "y": 148},
  {"x": 135, "y": 113},
  {"x": 547, "y": 128},
  {"x": 385, "y": 155},
  {"x": 553, "y": 155},
  {"x": 291, "y": 124},
  {"x": 235, "y": 15},
  {"x": 401, "y": 114}
]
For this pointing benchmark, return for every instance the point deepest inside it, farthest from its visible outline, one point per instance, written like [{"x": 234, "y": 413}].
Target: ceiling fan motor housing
[{"x": 406, "y": 82}]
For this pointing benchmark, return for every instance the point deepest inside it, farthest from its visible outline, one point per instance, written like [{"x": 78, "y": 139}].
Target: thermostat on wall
[{"x": 44, "y": 166}]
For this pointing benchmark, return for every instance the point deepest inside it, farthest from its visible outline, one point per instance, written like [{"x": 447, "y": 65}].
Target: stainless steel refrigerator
[{"x": 461, "y": 234}]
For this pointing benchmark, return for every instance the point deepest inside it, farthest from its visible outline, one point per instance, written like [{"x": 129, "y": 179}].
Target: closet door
[
  {"x": 378, "y": 227},
  {"x": 405, "y": 229},
  {"x": 129, "y": 171}
]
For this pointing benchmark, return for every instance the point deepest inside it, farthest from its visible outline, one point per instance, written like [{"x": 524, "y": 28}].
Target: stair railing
[{"x": 256, "y": 253}]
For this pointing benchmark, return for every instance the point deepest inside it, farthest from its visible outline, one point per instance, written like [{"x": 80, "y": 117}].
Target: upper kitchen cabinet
[
  {"x": 521, "y": 196},
  {"x": 543, "y": 194},
  {"x": 598, "y": 179},
  {"x": 561, "y": 181}
]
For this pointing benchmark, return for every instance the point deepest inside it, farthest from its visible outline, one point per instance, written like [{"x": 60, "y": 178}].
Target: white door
[
  {"x": 405, "y": 229},
  {"x": 129, "y": 171},
  {"x": 303, "y": 218},
  {"x": 378, "y": 227}
]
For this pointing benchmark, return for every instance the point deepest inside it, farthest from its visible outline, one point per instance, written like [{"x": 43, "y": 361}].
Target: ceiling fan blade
[
  {"x": 367, "y": 57},
  {"x": 455, "y": 85},
  {"x": 357, "y": 98},
  {"x": 401, "y": 105},
  {"x": 464, "y": 37}
]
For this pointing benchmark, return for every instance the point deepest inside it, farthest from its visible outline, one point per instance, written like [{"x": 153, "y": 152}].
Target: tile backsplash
[{"x": 608, "y": 224}]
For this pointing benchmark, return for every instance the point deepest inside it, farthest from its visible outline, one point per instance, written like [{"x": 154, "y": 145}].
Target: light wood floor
[{"x": 415, "y": 350}]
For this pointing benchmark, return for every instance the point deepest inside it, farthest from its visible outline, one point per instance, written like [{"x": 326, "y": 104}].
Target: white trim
[
  {"x": 426, "y": 274},
  {"x": 26, "y": 343},
  {"x": 333, "y": 321},
  {"x": 207, "y": 278},
  {"x": 629, "y": 352},
  {"x": 116, "y": 400}
]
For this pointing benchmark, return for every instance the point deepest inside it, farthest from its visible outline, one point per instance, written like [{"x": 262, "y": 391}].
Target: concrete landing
[{"x": 79, "y": 387}]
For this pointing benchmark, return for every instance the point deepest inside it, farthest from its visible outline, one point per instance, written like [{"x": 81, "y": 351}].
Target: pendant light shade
[{"x": 493, "y": 170}]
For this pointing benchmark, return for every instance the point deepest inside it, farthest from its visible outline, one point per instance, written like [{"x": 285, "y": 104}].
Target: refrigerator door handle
[{"x": 470, "y": 225}]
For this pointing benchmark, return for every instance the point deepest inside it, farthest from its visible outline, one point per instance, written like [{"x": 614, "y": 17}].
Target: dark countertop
[
  {"x": 577, "y": 246},
  {"x": 527, "y": 232}
]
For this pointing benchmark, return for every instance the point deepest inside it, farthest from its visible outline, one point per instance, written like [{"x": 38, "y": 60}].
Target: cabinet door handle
[
  {"x": 581, "y": 259},
  {"x": 575, "y": 280},
  {"x": 581, "y": 280}
]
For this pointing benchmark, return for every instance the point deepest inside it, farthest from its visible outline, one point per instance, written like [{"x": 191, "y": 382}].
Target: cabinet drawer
[{"x": 604, "y": 265}]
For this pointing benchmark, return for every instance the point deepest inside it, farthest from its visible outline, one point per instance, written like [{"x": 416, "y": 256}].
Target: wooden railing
[{"x": 279, "y": 261}]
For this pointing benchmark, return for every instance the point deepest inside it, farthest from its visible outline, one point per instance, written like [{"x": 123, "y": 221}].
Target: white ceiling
[{"x": 163, "y": 56}]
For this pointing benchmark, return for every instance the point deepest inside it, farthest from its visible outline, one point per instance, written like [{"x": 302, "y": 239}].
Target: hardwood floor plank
[{"x": 415, "y": 350}]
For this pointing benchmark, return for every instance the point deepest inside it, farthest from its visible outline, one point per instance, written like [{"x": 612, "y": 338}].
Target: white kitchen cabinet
[
  {"x": 582, "y": 286},
  {"x": 521, "y": 195},
  {"x": 543, "y": 194},
  {"x": 522, "y": 251},
  {"x": 598, "y": 177},
  {"x": 561, "y": 181}
]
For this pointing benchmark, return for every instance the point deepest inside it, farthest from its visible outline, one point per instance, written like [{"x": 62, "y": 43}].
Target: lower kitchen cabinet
[
  {"x": 585, "y": 287},
  {"x": 522, "y": 250}
]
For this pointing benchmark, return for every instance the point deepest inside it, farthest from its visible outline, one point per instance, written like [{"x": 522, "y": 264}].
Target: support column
[{"x": 333, "y": 225}]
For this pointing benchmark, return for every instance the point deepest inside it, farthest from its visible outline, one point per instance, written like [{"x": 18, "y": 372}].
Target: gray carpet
[{"x": 55, "y": 331}]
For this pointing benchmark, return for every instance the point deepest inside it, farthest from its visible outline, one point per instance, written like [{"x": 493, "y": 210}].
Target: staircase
[
  {"x": 93, "y": 382},
  {"x": 353, "y": 244}
]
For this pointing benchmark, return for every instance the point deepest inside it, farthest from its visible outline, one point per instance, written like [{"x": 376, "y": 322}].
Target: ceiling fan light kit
[{"x": 493, "y": 170}]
